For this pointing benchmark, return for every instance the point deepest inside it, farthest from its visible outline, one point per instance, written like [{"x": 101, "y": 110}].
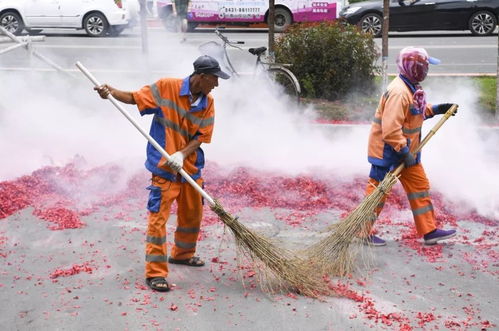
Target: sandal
[
  {"x": 157, "y": 284},
  {"x": 194, "y": 261}
]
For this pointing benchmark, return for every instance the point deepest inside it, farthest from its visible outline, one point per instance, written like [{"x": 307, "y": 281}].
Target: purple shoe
[
  {"x": 436, "y": 235},
  {"x": 372, "y": 240}
]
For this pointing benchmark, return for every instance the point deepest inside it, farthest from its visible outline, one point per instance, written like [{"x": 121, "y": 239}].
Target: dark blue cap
[{"x": 207, "y": 65}]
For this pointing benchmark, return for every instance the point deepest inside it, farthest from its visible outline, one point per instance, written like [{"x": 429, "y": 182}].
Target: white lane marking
[
  {"x": 168, "y": 74},
  {"x": 162, "y": 72},
  {"x": 90, "y": 46}
]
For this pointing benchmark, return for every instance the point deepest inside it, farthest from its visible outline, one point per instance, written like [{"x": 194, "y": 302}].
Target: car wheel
[
  {"x": 482, "y": 23},
  {"x": 371, "y": 23},
  {"x": 282, "y": 19},
  {"x": 95, "y": 24},
  {"x": 12, "y": 22}
]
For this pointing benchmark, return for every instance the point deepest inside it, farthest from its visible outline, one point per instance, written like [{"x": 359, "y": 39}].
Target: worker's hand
[
  {"x": 442, "y": 108},
  {"x": 104, "y": 90},
  {"x": 408, "y": 159},
  {"x": 176, "y": 161}
]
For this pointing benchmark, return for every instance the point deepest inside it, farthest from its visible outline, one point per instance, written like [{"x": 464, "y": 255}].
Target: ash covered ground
[{"x": 72, "y": 251}]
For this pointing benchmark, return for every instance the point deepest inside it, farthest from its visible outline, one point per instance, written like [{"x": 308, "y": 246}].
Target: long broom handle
[
  {"x": 146, "y": 135},
  {"x": 430, "y": 134}
]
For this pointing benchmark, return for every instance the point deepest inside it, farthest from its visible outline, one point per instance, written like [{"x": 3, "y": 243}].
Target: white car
[{"x": 97, "y": 17}]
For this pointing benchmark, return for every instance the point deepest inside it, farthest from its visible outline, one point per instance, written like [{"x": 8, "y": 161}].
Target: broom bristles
[
  {"x": 288, "y": 269},
  {"x": 334, "y": 255}
]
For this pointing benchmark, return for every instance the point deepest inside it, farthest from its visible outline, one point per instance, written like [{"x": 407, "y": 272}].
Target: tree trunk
[
  {"x": 497, "y": 80},
  {"x": 143, "y": 26},
  {"x": 271, "y": 28},
  {"x": 384, "y": 43}
]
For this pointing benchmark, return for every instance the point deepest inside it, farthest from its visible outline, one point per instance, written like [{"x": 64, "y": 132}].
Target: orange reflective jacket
[
  {"x": 175, "y": 124},
  {"x": 396, "y": 127}
]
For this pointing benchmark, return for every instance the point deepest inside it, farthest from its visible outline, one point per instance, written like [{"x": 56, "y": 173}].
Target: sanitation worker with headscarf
[
  {"x": 184, "y": 113},
  {"x": 395, "y": 135}
]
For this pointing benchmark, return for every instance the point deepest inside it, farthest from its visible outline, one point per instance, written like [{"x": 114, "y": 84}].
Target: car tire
[
  {"x": 282, "y": 19},
  {"x": 482, "y": 23},
  {"x": 371, "y": 23},
  {"x": 96, "y": 25},
  {"x": 12, "y": 22}
]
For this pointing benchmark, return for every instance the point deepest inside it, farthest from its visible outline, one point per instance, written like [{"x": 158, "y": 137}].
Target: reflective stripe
[
  {"x": 377, "y": 120},
  {"x": 169, "y": 124},
  {"x": 156, "y": 240},
  {"x": 207, "y": 122},
  {"x": 185, "y": 245},
  {"x": 410, "y": 131},
  {"x": 417, "y": 195},
  {"x": 422, "y": 210},
  {"x": 182, "y": 112},
  {"x": 156, "y": 258},
  {"x": 187, "y": 230}
]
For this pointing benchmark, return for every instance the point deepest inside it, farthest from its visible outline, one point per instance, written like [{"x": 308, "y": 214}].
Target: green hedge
[{"x": 330, "y": 59}]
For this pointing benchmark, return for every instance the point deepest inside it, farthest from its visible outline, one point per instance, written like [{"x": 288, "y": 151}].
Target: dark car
[{"x": 478, "y": 16}]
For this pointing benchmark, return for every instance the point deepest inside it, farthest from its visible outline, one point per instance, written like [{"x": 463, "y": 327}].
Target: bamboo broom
[
  {"x": 282, "y": 264},
  {"x": 334, "y": 254}
]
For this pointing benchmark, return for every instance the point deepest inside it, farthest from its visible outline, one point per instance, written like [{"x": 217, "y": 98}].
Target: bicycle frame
[
  {"x": 259, "y": 63},
  {"x": 269, "y": 67},
  {"x": 226, "y": 55}
]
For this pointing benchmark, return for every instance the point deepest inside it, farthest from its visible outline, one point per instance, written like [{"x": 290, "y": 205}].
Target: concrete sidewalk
[{"x": 91, "y": 278}]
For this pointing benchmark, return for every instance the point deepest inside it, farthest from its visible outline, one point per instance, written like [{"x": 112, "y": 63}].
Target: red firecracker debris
[{"x": 73, "y": 270}]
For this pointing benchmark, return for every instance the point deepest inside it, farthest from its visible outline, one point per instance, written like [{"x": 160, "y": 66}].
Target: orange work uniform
[
  {"x": 176, "y": 122},
  {"x": 396, "y": 129}
]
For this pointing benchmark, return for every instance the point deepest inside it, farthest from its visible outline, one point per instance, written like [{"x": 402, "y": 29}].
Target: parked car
[
  {"x": 478, "y": 16},
  {"x": 97, "y": 17}
]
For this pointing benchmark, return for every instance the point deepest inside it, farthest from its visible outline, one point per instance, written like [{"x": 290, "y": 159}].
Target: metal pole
[
  {"x": 11, "y": 48},
  {"x": 143, "y": 26},
  {"x": 32, "y": 52},
  {"x": 271, "y": 20},
  {"x": 497, "y": 79},
  {"x": 22, "y": 39},
  {"x": 384, "y": 43}
]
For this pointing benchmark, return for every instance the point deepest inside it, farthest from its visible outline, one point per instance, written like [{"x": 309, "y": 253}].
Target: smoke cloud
[{"x": 47, "y": 119}]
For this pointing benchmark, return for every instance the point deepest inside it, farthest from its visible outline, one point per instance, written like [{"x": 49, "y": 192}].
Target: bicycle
[{"x": 278, "y": 72}]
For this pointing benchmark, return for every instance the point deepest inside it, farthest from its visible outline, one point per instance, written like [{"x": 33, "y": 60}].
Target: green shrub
[
  {"x": 330, "y": 59},
  {"x": 488, "y": 88}
]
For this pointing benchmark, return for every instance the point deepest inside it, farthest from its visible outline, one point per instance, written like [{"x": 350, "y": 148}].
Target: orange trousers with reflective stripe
[
  {"x": 416, "y": 186},
  {"x": 189, "y": 215}
]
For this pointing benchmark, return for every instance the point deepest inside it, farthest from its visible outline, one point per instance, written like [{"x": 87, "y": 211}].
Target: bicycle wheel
[{"x": 287, "y": 80}]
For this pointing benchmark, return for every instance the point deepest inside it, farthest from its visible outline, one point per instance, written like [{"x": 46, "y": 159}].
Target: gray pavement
[{"x": 403, "y": 290}]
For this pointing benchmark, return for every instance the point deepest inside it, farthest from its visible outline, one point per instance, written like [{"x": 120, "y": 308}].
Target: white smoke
[
  {"x": 462, "y": 159},
  {"x": 46, "y": 119}
]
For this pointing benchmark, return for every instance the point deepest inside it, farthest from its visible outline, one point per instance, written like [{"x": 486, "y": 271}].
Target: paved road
[
  {"x": 460, "y": 52},
  {"x": 91, "y": 277}
]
